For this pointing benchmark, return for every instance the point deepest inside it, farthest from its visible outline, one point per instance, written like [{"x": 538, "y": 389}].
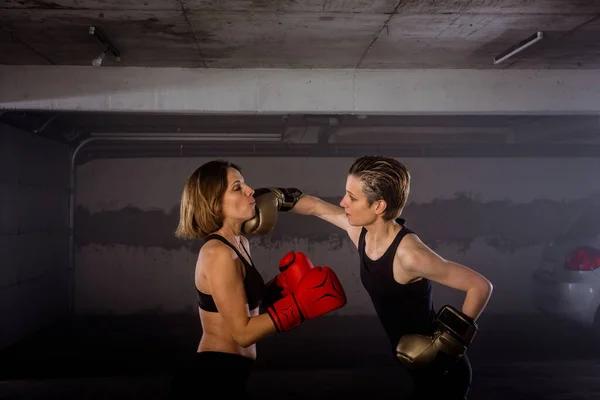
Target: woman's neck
[
  {"x": 380, "y": 231},
  {"x": 231, "y": 233}
]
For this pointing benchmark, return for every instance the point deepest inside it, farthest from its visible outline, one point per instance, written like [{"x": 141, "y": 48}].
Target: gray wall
[
  {"x": 493, "y": 215},
  {"x": 34, "y": 245}
]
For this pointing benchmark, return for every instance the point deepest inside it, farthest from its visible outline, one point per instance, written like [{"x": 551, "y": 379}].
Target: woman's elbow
[
  {"x": 244, "y": 341},
  {"x": 256, "y": 329},
  {"x": 486, "y": 288},
  {"x": 243, "y": 338}
]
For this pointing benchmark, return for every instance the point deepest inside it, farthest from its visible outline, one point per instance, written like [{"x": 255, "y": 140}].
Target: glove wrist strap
[
  {"x": 457, "y": 323},
  {"x": 289, "y": 197}
]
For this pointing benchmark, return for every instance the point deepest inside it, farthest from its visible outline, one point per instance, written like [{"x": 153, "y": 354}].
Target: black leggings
[
  {"x": 454, "y": 385},
  {"x": 212, "y": 373}
]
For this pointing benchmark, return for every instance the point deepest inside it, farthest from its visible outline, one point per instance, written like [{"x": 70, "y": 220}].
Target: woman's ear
[{"x": 380, "y": 206}]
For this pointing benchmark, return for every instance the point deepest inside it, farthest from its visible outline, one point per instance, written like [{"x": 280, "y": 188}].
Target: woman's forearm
[
  {"x": 257, "y": 328},
  {"x": 476, "y": 299},
  {"x": 306, "y": 205}
]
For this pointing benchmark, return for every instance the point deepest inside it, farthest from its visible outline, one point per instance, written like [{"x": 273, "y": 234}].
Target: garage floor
[{"x": 514, "y": 357}]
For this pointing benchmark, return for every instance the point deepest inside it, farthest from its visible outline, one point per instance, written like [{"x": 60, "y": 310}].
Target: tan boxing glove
[
  {"x": 270, "y": 201},
  {"x": 453, "y": 334}
]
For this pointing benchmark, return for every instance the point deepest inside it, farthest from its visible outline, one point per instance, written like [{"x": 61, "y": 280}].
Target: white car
[{"x": 567, "y": 281}]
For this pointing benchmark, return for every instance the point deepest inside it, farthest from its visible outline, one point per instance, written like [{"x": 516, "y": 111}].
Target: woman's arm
[
  {"x": 227, "y": 288},
  {"x": 420, "y": 261},
  {"x": 312, "y": 205}
]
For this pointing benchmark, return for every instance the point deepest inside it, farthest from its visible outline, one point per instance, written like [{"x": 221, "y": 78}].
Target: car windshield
[{"x": 586, "y": 226}]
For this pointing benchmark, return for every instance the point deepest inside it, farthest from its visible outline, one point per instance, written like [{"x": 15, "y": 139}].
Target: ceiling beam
[{"x": 214, "y": 149}]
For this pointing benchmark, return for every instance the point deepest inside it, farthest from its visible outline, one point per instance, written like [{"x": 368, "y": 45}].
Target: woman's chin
[
  {"x": 351, "y": 220},
  {"x": 356, "y": 222},
  {"x": 246, "y": 218},
  {"x": 352, "y": 223}
]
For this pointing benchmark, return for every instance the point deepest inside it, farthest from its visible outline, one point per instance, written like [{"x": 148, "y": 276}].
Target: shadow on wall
[
  {"x": 500, "y": 239},
  {"x": 503, "y": 225}
]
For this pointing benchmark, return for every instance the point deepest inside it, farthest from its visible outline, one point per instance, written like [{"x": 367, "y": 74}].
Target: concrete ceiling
[{"x": 302, "y": 34}]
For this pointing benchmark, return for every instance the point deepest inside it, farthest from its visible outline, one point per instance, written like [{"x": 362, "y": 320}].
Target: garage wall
[
  {"x": 493, "y": 215},
  {"x": 34, "y": 239}
]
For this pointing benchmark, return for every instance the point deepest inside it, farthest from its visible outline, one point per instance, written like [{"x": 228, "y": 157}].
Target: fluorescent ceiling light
[{"x": 519, "y": 47}]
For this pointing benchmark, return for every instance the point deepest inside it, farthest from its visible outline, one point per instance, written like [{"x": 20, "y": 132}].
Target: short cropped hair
[
  {"x": 200, "y": 208},
  {"x": 384, "y": 178}
]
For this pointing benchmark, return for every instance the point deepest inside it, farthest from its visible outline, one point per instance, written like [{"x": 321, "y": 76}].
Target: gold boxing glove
[
  {"x": 453, "y": 334},
  {"x": 269, "y": 201}
]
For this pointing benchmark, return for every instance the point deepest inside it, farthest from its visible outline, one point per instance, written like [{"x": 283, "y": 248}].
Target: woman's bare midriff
[{"x": 216, "y": 336}]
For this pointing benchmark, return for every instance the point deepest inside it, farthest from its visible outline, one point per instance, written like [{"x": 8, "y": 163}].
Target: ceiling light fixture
[
  {"x": 96, "y": 62},
  {"x": 519, "y": 47},
  {"x": 97, "y": 32}
]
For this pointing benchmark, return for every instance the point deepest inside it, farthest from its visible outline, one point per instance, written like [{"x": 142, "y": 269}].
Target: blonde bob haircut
[{"x": 200, "y": 208}]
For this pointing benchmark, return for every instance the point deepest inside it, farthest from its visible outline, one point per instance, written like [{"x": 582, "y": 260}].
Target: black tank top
[
  {"x": 253, "y": 281},
  {"x": 401, "y": 308}
]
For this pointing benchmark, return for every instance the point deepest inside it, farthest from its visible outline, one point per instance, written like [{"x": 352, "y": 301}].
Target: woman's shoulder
[{"x": 215, "y": 250}]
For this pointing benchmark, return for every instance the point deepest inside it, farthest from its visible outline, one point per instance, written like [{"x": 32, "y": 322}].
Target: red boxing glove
[
  {"x": 292, "y": 268},
  {"x": 318, "y": 293}
]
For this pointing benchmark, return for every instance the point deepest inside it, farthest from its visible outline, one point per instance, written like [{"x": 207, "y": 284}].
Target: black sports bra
[{"x": 253, "y": 281}]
